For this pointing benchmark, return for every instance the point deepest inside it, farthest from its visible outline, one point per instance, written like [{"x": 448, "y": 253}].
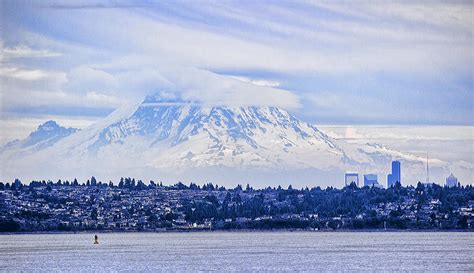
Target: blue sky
[{"x": 328, "y": 63}]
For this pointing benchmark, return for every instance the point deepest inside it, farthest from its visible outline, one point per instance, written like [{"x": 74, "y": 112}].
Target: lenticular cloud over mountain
[{"x": 173, "y": 139}]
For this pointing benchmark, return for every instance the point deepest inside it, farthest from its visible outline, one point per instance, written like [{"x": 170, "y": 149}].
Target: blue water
[{"x": 239, "y": 251}]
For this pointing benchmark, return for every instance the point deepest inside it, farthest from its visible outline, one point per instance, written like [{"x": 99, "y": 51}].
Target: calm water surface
[{"x": 239, "y": 251}]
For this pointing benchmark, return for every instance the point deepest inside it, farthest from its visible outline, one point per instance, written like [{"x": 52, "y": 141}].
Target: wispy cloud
[
  {"x": 24, "y": 74},
  {"x": 259, "y": 82},
  {"x": 126, "y": 50},
  {"x": 23, "y": 51},
  {"x": 212, "y": 88}
]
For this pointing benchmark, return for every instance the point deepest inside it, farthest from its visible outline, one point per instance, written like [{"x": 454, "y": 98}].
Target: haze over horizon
[{"x": 395, "y": 73}]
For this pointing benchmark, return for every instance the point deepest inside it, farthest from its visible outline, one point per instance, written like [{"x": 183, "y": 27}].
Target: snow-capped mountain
[
  {"x": 195, "y": 135},
  {"x": 176, "y": 139},
  {"x": 45, "y": 136}
]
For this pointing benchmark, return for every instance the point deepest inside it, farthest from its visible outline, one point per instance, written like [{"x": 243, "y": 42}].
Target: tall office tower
[
  {"x": 451, "y": 181},
  {"x": 395, "y": 176},
  {"x": 370, "y": 180},
  {"x": 351, "y": 177}
]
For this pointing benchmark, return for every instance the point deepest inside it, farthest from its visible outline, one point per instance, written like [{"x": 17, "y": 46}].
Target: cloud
[
  {"x": 24, "y": 51},
  {"x": 442, "y": 15},
  {"x": 100, "y": 86},
  {"x": 27, "y": 74},
  {"x": 323, "y": 99},
  {"x": 401, "y": 133},
  {"x": 259, "y": 82},
  {"x": 351, "y": 132},
  {"x": 99, "y": 99},
  {"x": 38, "y": 99},
  {"x": 125, "y": 53},
  {"x": 84, "y": 79},
  {"x": 211, "y": 88},
  {"x": 353, "y": 44},
  {"x": 138, "y": 76},
  {"x": 36, "y": 91}
]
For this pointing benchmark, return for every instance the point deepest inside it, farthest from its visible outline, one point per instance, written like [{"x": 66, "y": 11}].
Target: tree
[
  {"x": 212, "y": 198},
  {"x": 93, "y": 181},
  {"x": 140, "y": 185},
  {"x": 94, "y": 214},
  {"x": 228, "y": 197},
  {"x": 152, "y": 218},
  {"x": 180, "y": 186},
  {"x": 334, "y": 224},
  {"x": 169, "y": 216},
  {"x": 9, "y": 226},
  {"x": 128, "y": 183},
  {"x": 420, "y": 187},
  {"x": 463, "y": 222},
  {"x": 351, "y": 186},
  {"x": 17, "y": 185},
  {"x": 209, "y": 187},
  {"x": 237, "y": 199}
]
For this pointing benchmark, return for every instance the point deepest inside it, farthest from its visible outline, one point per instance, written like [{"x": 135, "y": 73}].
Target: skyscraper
[
  {"x": 395, "y": 176},
  {"x": 370, "y": 180},
  {"x": 451, "y": 181},
  {"x": 351, "y": 177}
]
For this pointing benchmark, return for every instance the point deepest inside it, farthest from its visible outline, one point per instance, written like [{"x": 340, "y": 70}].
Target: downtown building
[
  {"x": 370, "y": 180},
  {"x": 351, "y": 177},
  {"x": 451, "y": 181},
  {"x": 395, "y": 176}
]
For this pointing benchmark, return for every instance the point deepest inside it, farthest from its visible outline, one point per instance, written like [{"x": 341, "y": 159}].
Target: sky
[{"x": 408, "y": 63}]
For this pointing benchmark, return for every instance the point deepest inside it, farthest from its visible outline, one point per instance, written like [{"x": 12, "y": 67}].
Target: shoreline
[{"x": 240, "y": 231}]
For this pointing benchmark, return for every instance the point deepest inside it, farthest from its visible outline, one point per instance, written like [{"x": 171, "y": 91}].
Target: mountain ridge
[
  {"x": 177, "y": 137},
  {"x": 46, "y": 135}
]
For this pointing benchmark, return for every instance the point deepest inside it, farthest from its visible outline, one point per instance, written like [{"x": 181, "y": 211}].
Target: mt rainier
[
  {"x": 173, "y": 139},
  {"x": 180, "y": 134}
]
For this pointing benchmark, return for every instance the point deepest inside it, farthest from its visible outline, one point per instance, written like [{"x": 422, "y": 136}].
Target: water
[{"x": 239, "y": 251}]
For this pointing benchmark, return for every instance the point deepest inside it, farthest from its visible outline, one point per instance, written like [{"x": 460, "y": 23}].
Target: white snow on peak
[{"x": 180, "y": 136}]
